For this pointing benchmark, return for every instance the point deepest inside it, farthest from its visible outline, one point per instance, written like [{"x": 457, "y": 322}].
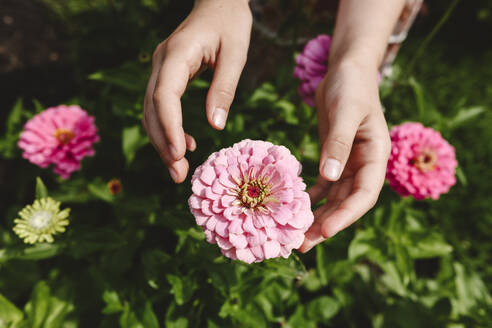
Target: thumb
[
  {"x": 338, "y": 144},
  {"x": 228, "y": 68}
]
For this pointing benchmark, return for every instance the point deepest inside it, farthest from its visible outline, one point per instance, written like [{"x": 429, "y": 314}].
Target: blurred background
[{"x": 135, "y": 258}]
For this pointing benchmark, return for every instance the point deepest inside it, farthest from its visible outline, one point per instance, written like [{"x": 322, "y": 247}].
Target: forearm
[{"x": 362, "y": 30}]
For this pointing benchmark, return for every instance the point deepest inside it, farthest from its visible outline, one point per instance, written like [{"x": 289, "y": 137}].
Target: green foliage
[{"x": 137, "y": 258}]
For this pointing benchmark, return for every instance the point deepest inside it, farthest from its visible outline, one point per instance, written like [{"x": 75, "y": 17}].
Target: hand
[
  {"x": 355, "y": 149},
  {"x": 215, "y": 34}
]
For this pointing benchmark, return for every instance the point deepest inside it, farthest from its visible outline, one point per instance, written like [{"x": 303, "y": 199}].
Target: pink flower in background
[
  {"x": 61, "y": 136},
  {"x": 422, "y": 164},
  {"x": 250, "y": 200},
  {"x": 312, "y": 65}
]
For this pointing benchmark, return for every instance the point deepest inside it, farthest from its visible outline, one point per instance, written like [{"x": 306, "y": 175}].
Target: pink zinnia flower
[
  {"x": 422, "y": 164},
  {"x": 62, "y": 136},
  {"x": 312, "y": 65},
  {"x": 250, "y": 200}
]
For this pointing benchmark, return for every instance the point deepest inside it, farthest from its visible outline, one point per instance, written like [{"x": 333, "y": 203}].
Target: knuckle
[
  {"x": 156, "y": 99},
  {"x": 157, "y": 52},
  {"x": 226, "y": 93},
  {"x": 171, "y": 43},
  {"x": 340, "y": 142}
]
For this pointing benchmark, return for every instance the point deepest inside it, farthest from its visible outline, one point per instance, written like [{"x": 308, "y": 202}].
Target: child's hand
[
  {"x": 355, "y": 149},
  {"x": 215, "y": 34}
]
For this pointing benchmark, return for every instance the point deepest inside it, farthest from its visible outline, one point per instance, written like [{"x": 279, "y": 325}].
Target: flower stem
[{"x": 431, "y": 35}]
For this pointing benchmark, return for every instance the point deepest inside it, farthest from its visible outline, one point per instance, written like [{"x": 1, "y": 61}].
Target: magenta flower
[
  {"x": 422, "y": 164},
  {"x": 250, "y": 200},
  {"x": 61, "y": 136},
  {"x": 312, "y": 65}
]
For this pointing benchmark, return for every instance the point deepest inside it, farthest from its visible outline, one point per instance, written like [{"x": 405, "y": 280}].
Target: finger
[
  {"x": 336, "y": 194},
  {"x": 367, "y": 184},
  {"x": 170, "y": 86},
  {"x": 228, "y": 68},
  {"x": 342, "y": 127},
  {"x": 177, "y": 169},
  {"x": 312, "y": 238},
  {"x": 190, "y": 142}
]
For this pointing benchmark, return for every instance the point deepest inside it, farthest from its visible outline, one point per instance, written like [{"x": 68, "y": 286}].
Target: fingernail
[
  {"x": 174, "y": 151},
  {"x": 331, "y": 169},
  {"x": 174, "y": 174},
  {"x": 219, "y": 118}
]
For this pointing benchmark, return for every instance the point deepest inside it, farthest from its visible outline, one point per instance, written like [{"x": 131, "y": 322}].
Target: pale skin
[{"x": 353, "y": 133}]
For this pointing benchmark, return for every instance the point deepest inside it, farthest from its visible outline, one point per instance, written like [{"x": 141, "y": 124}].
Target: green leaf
[
  {"x": 404, "y": 262},
  {"x": 427, "y": 245},
  {"x": 59, "y": 307},
  {"x": 149, "y": 319},
  {"x": 419, "y": 97},
  {"x": 38, "y": 107},
  {"x": 132, "y": 140},
  {"x": 363, "y": 242},
  {"x": 427, "y": 113},
  {"x": 128, "y": 319},
  {"x": 36, "y": 252},
  {"x": 309, "y": 148},
  {"x": 287, "y": 111},
  {"x": 471, "y": 291},
  {"x": 100, "y": 189},
  {"x": 130, "y": 76},
  {"x": 265, "y": 93},
  {"x": 39, "y": 304},
  {"x": 41, "y": 190},
  {"x": 392, "y": 279},
  {"x": 460, "y": 174},
  {"x": 8, "y": 143},
  {"x": 15, "y": 117},
  {"x": 112, "y": 301},
  {"x": 321, "y": 265},
  {"x": 465, "y": 115},
  {"x": 298, "y": 319},
  {"x": 267, "y": 307},
  {"x": 182, "y": 287},
  {"x": 174, "y": 319},
  {"x": 10, "y": 315},
  {"x": 322, "y": 309}
]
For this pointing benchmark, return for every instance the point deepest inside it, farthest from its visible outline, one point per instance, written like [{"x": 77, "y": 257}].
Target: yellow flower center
[
  {"x": 64, "y": 136},
  {"x": 425, "y": 161},
  {"x": 253, "y": 194},
  {"x": 40, "y": 219}
]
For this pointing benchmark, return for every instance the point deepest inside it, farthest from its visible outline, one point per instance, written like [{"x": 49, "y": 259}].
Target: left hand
[{"x": 355, "y": 149}]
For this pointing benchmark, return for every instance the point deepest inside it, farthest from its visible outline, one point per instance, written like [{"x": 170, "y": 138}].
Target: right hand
[{"x": 216, "y": 34}]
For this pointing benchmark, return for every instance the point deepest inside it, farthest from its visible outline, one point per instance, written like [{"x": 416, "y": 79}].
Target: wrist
[
  {"x": 362, "y": 56},
  {"x": 355, "y": 63},
  {"x": 232, "y": 5}
]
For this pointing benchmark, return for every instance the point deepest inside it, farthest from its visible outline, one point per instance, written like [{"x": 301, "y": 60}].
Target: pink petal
[
  {"x": 223, "y": 243},
  {"x": 221, "y": 228},
  {"x": 239, "y": 241},
  {"x": 271, "y": 249},
  {"x": 208, "y": 175},
  {"x": 245, "y": 255}
]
